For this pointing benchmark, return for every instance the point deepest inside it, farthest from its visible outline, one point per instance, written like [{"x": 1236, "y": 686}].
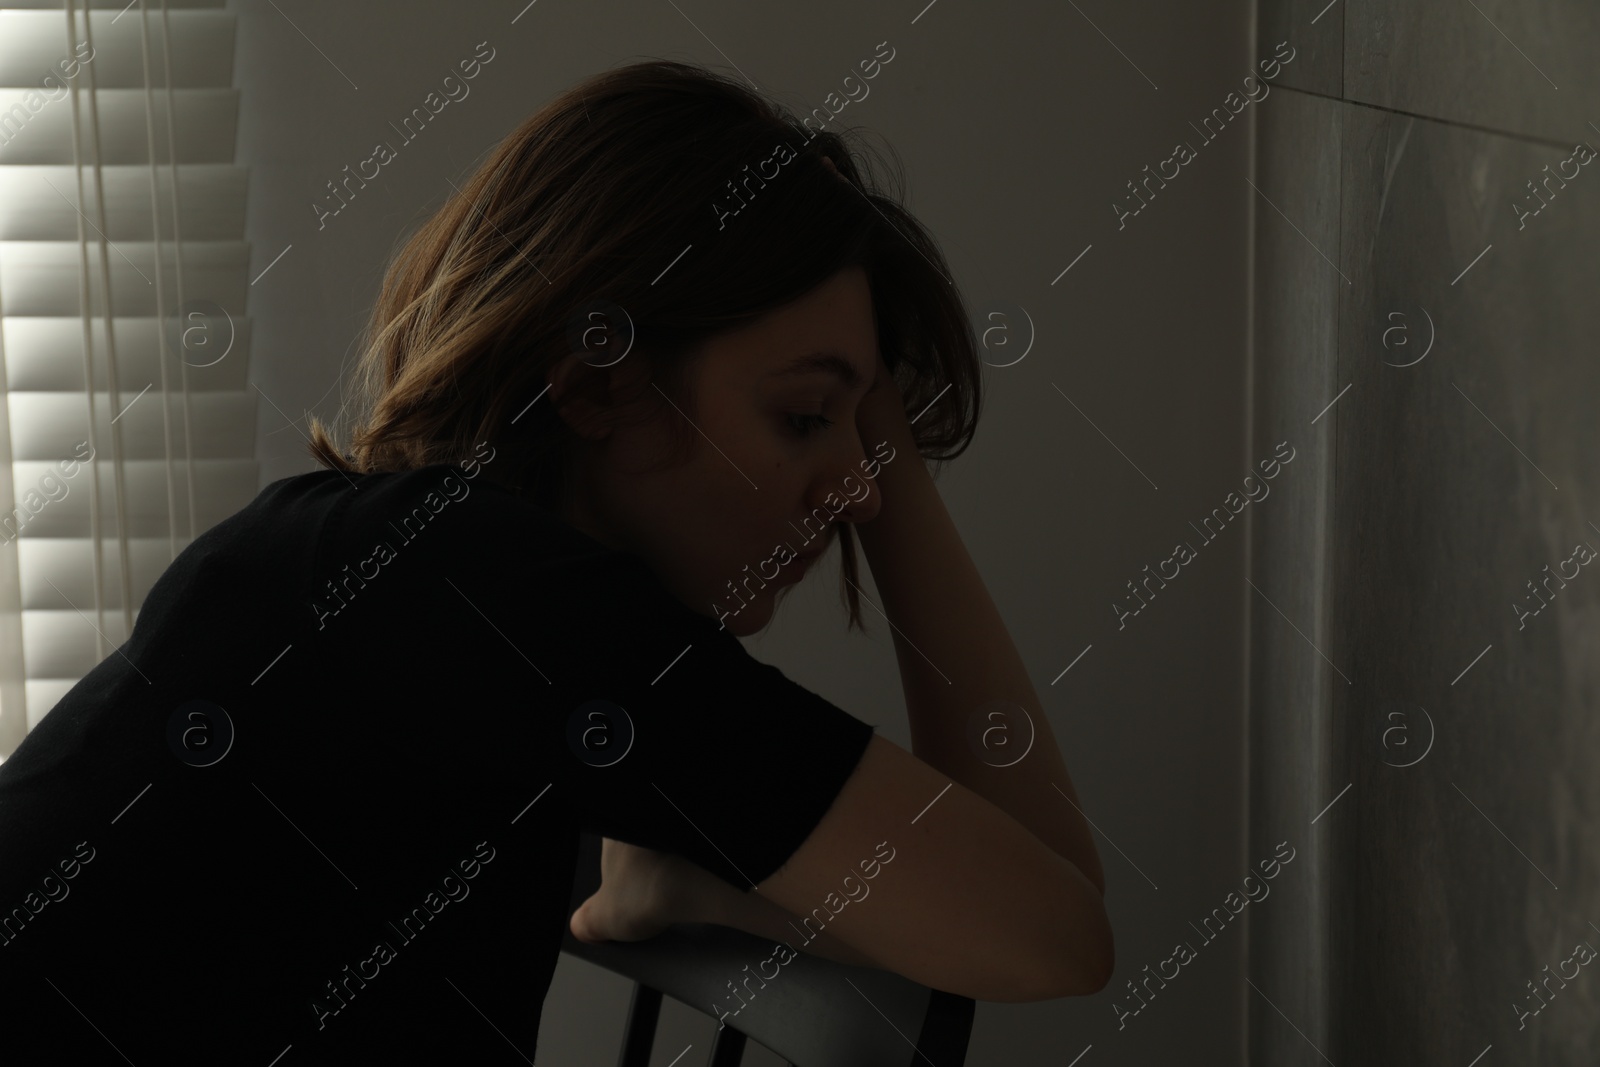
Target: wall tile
[
  {"x": 1459, "y": 478},
  {"x": 1502, "y": 64},
  {"x": 1315, "y": 32}
]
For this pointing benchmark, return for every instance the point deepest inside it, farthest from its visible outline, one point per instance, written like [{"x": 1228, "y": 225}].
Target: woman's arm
[
  {"x": 954, "y": 652},
  {"x": 708, "y": 899},
  {"x": 940, "y": 609}
]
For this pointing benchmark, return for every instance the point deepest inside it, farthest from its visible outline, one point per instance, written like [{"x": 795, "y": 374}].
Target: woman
[{"x": 621, "y": 392}]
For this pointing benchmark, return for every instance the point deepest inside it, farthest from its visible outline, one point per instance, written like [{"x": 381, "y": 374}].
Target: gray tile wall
[{"x": 1408, "y": 692}]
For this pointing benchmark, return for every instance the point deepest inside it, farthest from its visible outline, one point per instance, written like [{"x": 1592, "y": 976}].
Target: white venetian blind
[{"x": 122, "y": 274}]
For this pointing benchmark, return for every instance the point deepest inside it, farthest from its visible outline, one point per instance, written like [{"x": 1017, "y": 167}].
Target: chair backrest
[{"x": 814, "y": 1013}]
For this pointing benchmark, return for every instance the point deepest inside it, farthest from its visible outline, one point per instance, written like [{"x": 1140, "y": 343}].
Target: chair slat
[
  {"x": 727, "y": 1048},
  {"x": 644, "y": 1011},
  {"x": 946, "y": 1029}
]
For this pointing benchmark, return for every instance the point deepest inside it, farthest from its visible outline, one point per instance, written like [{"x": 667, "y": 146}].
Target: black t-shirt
[{"x": 325, "y": 801}]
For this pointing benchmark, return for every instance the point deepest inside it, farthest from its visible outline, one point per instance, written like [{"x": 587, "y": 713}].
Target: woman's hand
[
  {"x": 882, "y": 415},
  {"x": 643, "y": 892},
  {"x": 637, "y": 897},
  {"x": 903, "y": 481}
]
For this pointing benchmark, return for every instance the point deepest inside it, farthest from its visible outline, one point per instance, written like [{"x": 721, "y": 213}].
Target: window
[{"x": 128, "y": 425}]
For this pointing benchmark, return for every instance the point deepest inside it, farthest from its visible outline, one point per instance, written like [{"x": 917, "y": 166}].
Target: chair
[{"x": 815, "y": 1013}]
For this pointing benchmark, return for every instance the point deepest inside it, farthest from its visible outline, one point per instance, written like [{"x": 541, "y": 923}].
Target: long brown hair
[{"x": 626, "y": 195}]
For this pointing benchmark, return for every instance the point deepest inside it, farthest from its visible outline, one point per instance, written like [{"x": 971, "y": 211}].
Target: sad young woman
[{"x": 605, "y": 424}]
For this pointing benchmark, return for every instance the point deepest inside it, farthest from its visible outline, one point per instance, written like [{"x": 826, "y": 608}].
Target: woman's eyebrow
[{"x": 828, "y": 362}]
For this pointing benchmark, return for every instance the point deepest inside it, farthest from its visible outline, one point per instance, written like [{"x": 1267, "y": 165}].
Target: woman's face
[{"x": 776, "y": 461}]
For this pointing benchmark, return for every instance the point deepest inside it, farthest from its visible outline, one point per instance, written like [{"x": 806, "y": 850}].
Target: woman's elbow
[{"x": 1085, "y": 961}]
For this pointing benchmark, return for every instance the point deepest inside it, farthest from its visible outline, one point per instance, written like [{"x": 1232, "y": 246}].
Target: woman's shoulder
[{"x": 456, "y": 513}]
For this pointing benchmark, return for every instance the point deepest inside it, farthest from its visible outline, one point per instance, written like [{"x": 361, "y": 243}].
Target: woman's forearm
[
  {"x": 955, "y": 656},
  {"x": 700, "y": 896}
]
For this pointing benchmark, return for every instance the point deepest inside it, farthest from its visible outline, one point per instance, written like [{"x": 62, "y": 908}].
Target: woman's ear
[{"x": 591, "y": 399}]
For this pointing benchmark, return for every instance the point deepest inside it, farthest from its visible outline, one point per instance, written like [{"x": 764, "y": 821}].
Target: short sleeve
[{"x": 672, "y": 736}]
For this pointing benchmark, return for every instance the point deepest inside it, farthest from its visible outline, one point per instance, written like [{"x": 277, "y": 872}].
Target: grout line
[{"x": 1524, "y": 137}]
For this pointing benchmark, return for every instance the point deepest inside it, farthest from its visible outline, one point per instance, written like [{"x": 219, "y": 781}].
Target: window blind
[{"x": 127, "y": 427}]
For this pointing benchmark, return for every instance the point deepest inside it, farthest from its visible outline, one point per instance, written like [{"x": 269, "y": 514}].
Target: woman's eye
[{"x": 805, "y": 425}]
